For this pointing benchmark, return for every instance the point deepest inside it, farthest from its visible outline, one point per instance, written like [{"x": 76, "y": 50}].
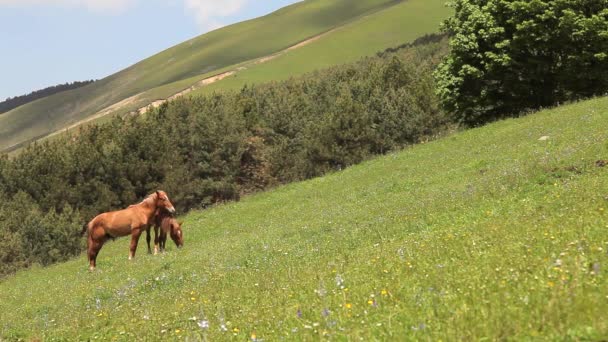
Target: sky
[{"x": 49, "y": 42}]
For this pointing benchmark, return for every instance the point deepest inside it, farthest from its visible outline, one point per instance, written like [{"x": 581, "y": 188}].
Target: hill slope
[
  {"x": 490, "y": 233},
  {"x": 176, "y": 69}
]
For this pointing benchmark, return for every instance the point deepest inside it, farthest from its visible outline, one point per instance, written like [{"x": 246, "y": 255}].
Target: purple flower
[{"x": 299, "y": 313}]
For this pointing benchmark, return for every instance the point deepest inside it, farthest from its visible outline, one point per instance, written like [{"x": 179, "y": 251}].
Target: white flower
[{"x": 204, "y": 324}]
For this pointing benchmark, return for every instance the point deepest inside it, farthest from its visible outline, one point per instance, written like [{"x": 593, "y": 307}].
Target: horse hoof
[{"x": 91, "y": 269}]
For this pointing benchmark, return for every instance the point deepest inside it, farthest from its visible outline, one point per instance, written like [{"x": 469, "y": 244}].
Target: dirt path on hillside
[
  {"x": 219, "y": 77},
  {"x": 202, "y": 83}
]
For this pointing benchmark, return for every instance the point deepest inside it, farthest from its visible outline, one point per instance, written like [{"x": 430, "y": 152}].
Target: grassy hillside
[
  {"x": 491, "y": 233},
  {"x": 390, "y": 27},
  {"x": 212, "y": 51},
  {"x": 365, "y": 28}
]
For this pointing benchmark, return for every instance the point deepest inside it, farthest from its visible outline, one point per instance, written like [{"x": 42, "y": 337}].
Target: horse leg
[
  {"x": 163, "y": 239},
  {"x": 134, "y": 240},
  {"x": 148, "y": 240},
  {"x": 156, "y": 241},
  {"x": 94, "y": 245}
]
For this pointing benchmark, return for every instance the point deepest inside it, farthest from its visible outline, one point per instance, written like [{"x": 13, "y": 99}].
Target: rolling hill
[
  {"x": 493, "y": 233},
  {"x": 326, "y": 32}
]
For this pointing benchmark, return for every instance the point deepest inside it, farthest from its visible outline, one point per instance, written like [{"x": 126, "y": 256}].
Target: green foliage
[
  {"x": 510, "y": 56},
  {"x": 31, "y": 237},
  {"x": 209, "y": 149},
  {"x": 486, "y": 235}
]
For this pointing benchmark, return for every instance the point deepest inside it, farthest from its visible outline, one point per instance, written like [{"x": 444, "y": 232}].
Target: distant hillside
[
  {"x": 14, "y": 102},
  {"x": 178, "y": 68}
]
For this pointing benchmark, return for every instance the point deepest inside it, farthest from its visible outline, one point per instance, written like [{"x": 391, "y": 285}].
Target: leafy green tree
[{"x": 509, "y": 56}]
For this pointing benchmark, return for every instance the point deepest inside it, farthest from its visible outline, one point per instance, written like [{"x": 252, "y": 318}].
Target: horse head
[
  {"x": 176, "y": 233},
  {"x": 163, "y": 202}
]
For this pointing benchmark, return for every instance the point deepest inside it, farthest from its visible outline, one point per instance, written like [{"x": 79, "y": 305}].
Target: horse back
[{"x": 120, "y": 222}]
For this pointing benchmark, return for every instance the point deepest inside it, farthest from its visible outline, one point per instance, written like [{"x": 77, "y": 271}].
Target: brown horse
[
  {"x": 167, "y": 224},
  {"x": 132, "y": 220},
  {"x": 165, "y": 220}
]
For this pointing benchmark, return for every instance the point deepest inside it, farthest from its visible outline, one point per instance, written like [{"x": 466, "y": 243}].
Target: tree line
[
  {"x": 208, "y": 149},
  {"x": 14, "y": 102}
]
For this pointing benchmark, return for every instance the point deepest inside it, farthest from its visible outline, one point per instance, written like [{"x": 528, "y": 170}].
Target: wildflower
[
  {"x": 348, "y": 305},
  {"x": 550, "y": 284},
  {"x": 299, "y": 313},
  {"x": 193, "y": 298},
  {"x": 325, "y": 312},
  {"x": 339, "y": 281},
  {"x": 177, "y": 331},
  {"x": 595, "y": 268},
  {"x": 223, "y": 327},
  {"x": 384, "y": 292},
  {"x": 203, "y": 324},
  {"x": 236, "y": 330}
]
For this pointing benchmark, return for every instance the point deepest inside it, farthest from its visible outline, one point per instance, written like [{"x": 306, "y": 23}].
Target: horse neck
[{"x": 148, "y": 206}]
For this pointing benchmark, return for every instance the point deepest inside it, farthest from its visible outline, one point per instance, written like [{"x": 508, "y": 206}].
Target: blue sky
[{"x": 47, "y": 42}]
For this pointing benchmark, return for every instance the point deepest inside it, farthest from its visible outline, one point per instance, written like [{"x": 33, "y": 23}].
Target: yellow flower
[
  {"x": 550, "y": 284},
  {"x": 177, "y": 331},
  {"x": 384, "y": 292},
  {"x": 236, "y": 330},
  {"x": 348, "y": 305},
  {"x": 370, "y": 302},
  {"x": 193, "y": 298},
  {"x": 253, "y": 337}
]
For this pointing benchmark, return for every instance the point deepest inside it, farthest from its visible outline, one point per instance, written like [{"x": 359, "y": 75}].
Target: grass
[
  {"x": 486, "y": 234},
  {"x": 390, "y": 27},
  {"x": 204, "y": 54}
]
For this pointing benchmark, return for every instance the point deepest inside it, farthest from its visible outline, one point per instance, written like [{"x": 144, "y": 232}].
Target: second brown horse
[
  {"x": 168, "y": 226},
  {"x": 132, "y": 220}
]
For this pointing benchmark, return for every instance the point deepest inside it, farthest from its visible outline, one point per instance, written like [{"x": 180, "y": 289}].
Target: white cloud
[
  {"x": 104, "y": 6},
  {"x": 208, "y": 12}
]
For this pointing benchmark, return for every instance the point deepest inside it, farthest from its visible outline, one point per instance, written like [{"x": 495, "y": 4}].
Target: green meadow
[
  {"x": 176, "y": 68},
  {"x": 494, "y": 233}
]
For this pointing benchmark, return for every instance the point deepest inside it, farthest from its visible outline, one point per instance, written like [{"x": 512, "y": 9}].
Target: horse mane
[{"x": 151, "y": 197}]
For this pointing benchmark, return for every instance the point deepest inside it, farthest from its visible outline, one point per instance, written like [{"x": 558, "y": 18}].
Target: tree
[{"x": 509, "y": 56}]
